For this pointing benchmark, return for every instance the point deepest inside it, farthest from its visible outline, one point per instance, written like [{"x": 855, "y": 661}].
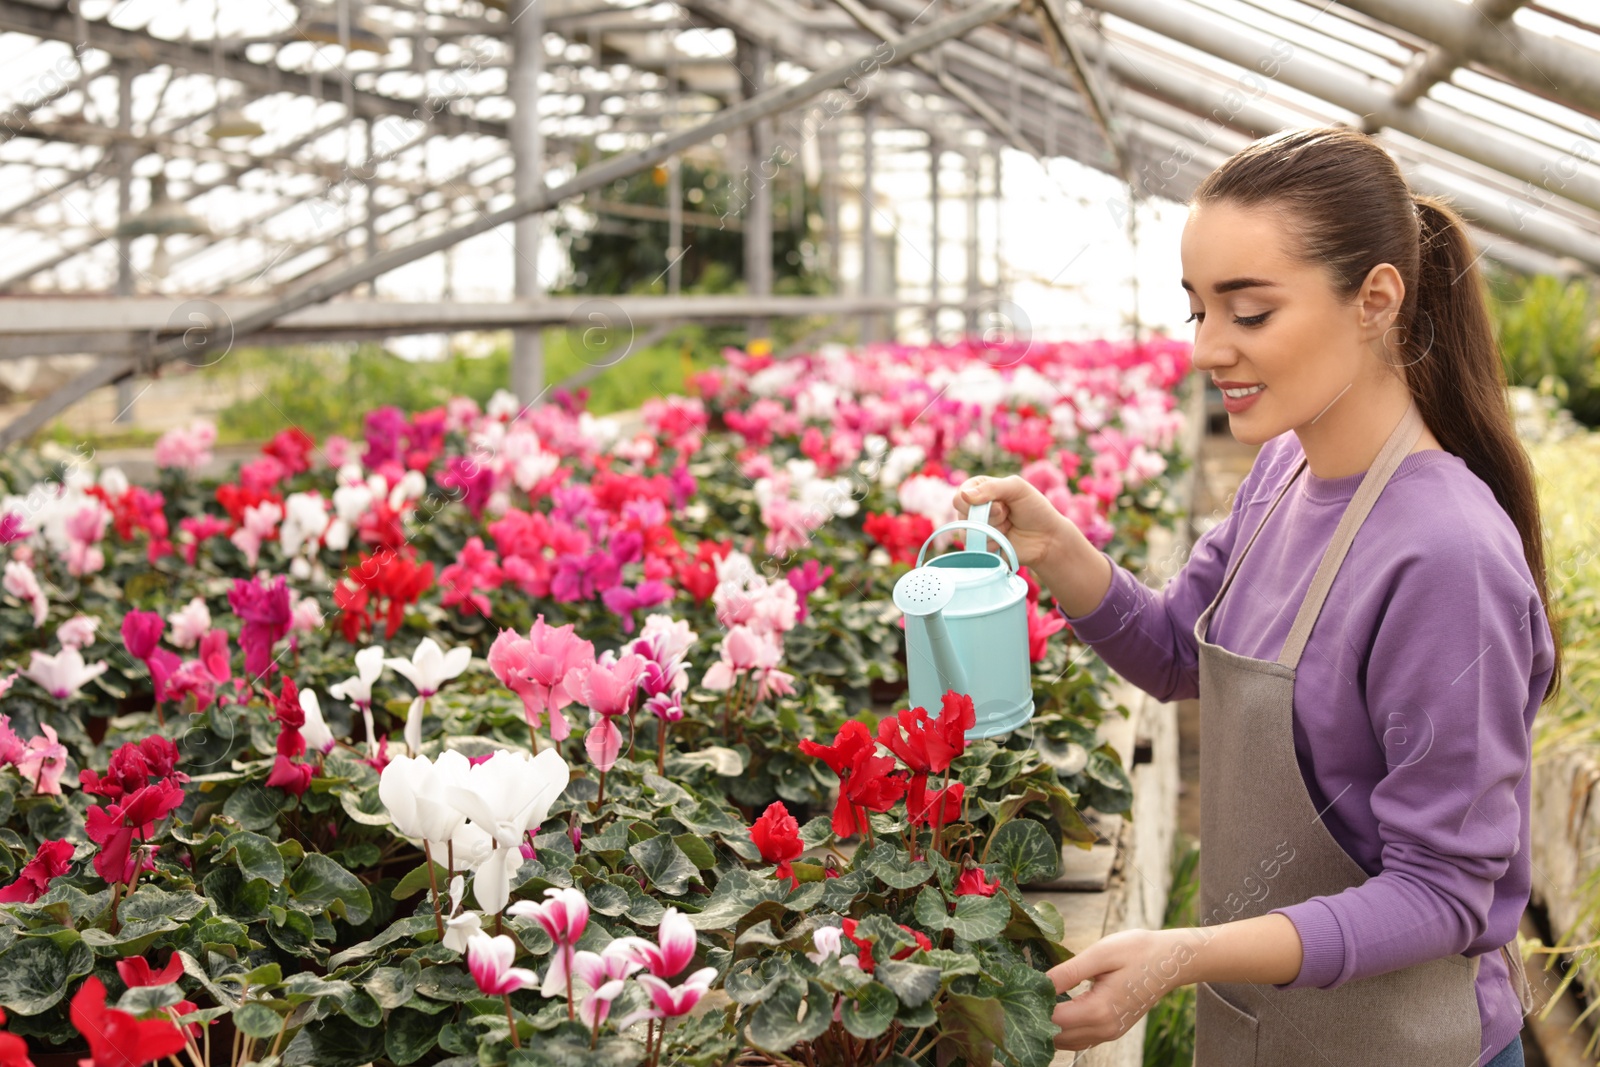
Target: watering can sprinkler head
[{"x": 921, "y": 595}]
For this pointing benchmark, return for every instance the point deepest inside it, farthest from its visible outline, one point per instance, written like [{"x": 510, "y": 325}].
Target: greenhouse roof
[{"x": 304, "y": 150}]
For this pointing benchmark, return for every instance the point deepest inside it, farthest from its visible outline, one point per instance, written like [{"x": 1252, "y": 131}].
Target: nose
[{"x": 1208, "y": 355}]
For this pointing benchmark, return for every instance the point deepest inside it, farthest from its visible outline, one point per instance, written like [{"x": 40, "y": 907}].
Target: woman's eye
[
  {"x": 1252, "y": 320},
  {"x": 1195, "y": 316}
]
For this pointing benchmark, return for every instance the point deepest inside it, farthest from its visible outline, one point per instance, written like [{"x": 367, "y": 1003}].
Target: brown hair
[{"x": 1351, "y": 209}]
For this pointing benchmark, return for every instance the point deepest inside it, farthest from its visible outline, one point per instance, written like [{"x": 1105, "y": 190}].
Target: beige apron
[{"x": 1264, "y": 846}]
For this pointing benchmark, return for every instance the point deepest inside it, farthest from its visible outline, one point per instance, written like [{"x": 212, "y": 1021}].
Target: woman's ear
[{"x": 1378, "y": 304}]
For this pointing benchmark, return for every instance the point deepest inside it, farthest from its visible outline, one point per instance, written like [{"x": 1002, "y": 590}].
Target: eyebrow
[{"x": 1234, "y": 284}]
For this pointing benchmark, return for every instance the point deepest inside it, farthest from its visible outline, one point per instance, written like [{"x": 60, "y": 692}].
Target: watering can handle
[
  {"x": 987, "y": 531},
  {"x": 976, "y": 541}
]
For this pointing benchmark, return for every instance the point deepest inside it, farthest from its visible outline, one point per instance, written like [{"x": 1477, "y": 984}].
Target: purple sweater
[{"x": 1414, "y": 701}]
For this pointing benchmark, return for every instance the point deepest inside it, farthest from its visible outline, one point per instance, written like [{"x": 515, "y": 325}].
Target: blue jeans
[{"x": 1510, "y": 1056}]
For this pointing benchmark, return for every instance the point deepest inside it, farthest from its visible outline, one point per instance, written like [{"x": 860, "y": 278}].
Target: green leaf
[
  {"x": 796, "y": 1011},
  {"x": 699, "y": 853},
  {"x": 416, "y": 880},
  {"x": 320, "y": 884},
  {"x": 1024, "y": 850},
  {"x": 253, "y": 807},
  {"x": 1027, "y": 998},
  {"x": 447, "y": 983},
  {"x": 141, "y": 999},
  {"x": 334, "y": 1042},
  {"x": 365, "y": 807},
  {"x": 232, "y": 895},
  {"x": 976, "y": 1025},
  {"x": 913, "y": 983},
  {"x": 979, "y": 917},
  {"x": 392, "y": 987},
  {"x": 868, "y": 1011},
  {"x": 151, "y": 904},
  {"x": 931, "y": 911},
  {"x": 409, "y": 1035},
  {"x": 257, "y": 1020},
  {"x": 33, "y": 976},
  {"x": 894, "y": 866},
  {"x": 664, "y": 863},
  {"x": 256, "y": 856}
]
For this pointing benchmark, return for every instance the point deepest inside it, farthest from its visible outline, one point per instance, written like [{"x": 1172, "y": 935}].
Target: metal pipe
[{"x": 770, "y": 102}]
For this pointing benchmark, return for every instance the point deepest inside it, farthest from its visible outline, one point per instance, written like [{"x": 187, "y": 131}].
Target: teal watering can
[{"x": 967, "y": 628}]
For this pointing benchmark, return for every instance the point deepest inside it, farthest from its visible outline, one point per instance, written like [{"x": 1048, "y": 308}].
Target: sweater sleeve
[
  {"x": 1457, "y": 666},
  {"x": 1148, "y": 636}
]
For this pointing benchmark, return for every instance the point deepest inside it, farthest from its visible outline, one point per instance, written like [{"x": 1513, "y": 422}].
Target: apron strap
[
  {"x": 1203, "y": 624},
  {"x": 1395, "y": 449},
  {"x": 1519, "y": 976}
]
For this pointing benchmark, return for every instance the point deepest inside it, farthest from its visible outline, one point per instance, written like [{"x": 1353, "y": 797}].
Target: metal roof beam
[
  {"x": 1438, "y": 62},
  {"x": 1545, "y": 65},
  {"x": 770, "y": 102},
  {"x": 19, "y": 17},
  {"x": 1509, "y": 154}
]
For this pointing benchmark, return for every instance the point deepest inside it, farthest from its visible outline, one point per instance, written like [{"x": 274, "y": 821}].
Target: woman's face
[{"x": 1264, "y": 318}]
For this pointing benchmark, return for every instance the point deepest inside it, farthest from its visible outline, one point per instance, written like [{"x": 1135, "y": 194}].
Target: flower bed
[{"x": 505, "y": 735}]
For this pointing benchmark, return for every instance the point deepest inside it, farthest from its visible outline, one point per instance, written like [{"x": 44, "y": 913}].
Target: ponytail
[
  {"x": 1458, "y": 380},
  {"x": 1355, "y": 211}
]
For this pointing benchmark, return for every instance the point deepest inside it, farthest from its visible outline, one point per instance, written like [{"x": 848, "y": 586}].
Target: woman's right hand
[{"x": 1017, "y": 509}]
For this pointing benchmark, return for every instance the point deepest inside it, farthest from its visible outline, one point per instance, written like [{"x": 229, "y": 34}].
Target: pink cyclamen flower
[
  {"x": 603, "y": 743},
  {"x": 43, "y": 762},
  {"x": 22, "y": 583},
  {"x": 557, "y": 652},
  {"x": 489, "y": 959},
  {"x": 78, "y": 631},
  {"x": 607, "y": 687},
  {"x": 600, "y": 975},
  {"x": 563, "y": 915},
  {"x": 743, "y": 649},
  {"x": 189, "y": 623},
  {"x": 665, "y": 706},
  {"x": 673, "y": 949},
  {"x": 668, "y": 1001},
  {"x": 186, "y": 448},
  {"x": 62, "y": 674}
]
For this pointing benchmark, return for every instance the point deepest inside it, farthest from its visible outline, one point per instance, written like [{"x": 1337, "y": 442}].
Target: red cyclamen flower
[
  {"x": 116, "y": 1038},
  {"x": 777, "y": 835},
  {"x": 50, "y": 861}
]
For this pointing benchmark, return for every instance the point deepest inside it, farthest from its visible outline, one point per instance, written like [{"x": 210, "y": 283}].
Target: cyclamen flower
[
  {"x": 114, "y": 826},
  {"x": 865, "y": 778},
  {"x": 563, "y": 915},
  {"x": 290, "y": 776},
  {"x": 141, "y": 633},
  {"x": 50, "y": 861},
  {"x": 315, "y": 730},
  {"x": 266, "y": 614},
  {"x": 136, "y": 973},
  {"x": 601, "y": 976},
  {"x": 116, "y": 1038},
  {"x": 777, "y": 836},
  {"x": 186, "y": 448},
  {"x": 43, "y": 761},
  {"x": 536, "y": 670},
  {"x": 673, "y": 949},
  {"x": 358, "y": 690},
  {"x": 428, "y": 668},
  {"x": 22, "y": 583},
  {"x": 974, "y": 882},
  {"x": 489, "y": 959},
  {"x": 866, "y": 946},
  {"x": 62, "y": 674},
  {"x": 78, "y": 631},
  {"x": 505, "y": 796},
  {"x": 667, "y": 1001}
]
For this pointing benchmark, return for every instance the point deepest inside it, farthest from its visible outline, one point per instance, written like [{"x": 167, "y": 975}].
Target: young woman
[{"x": 1368, "y": 632}]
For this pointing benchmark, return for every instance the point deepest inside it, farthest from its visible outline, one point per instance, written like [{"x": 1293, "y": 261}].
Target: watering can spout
[{"x": 952, "y": 675}]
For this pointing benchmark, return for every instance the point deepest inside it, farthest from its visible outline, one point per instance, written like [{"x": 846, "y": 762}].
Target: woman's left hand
[{"x": 1130, "y": 970}]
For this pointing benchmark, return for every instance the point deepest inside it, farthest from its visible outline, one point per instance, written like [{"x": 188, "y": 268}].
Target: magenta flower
[
  {"x": 489, "y": 959},
  {"x": 564, "y": 915},
  {"x": 266, "y": 614},
  {"x": 674, "y": 947},
  {"x": 474, "y": 481},
  {"x": 624, "y": 601},
  {"x": 807, "y": 580},
  {"x": 467, "y": 581},
  {"x": 666, "y": 1001},
  {"x": 12, "y": 528}
]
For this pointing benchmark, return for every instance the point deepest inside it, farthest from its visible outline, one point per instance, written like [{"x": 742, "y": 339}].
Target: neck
[{"x": 1347, "y": 437}]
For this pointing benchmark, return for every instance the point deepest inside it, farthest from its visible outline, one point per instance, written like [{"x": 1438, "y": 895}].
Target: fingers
[{"x": 1089, "y": 1020}]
